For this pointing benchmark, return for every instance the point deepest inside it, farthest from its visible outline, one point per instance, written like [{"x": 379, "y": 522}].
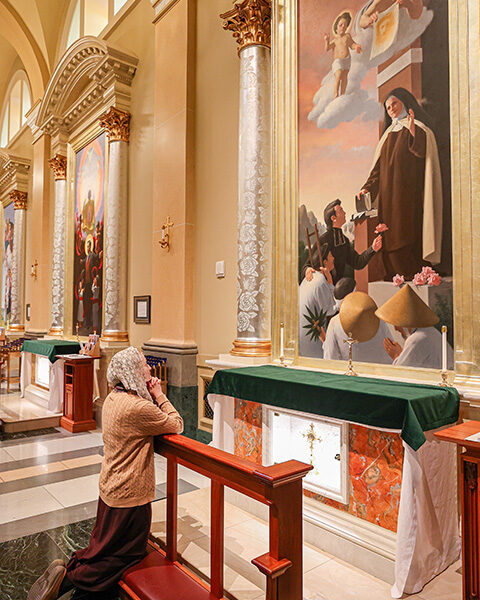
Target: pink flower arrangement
[
  {"x": 398, "y": 280},
  {"x": 427, "y": 276},
  {"x": 381, "y": 228}
]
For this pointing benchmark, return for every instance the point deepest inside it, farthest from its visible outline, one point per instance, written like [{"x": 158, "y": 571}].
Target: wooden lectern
[
  {"x": 470, "y": 483},
  {"x": 78, "y": 395}
]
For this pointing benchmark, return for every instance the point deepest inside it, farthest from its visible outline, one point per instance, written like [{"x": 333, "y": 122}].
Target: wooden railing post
[
  {"x": 286, "y": 537},
  {"x": 172, "y": 490},
  {"x": 217, "y": 539}
]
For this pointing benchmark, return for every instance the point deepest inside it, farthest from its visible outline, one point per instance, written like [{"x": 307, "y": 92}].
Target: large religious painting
[
  {"x": 7, "y": 267},
  {"x": 374, "y": 189},
  {"x": 88, "y": 247}
]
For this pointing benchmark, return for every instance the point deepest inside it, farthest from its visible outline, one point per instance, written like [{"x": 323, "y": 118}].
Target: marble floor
[{"x": 48, "y": 500}]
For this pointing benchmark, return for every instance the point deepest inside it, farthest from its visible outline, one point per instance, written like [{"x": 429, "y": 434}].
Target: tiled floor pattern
[
  {"x": 246, "y": 537},
  {"x": 48, "y": 497}
]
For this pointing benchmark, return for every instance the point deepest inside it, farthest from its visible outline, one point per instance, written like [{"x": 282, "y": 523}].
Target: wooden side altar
[{"x": 469, "y": 485}]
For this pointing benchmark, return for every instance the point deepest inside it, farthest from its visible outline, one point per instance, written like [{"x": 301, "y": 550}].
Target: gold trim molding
[
  {"x": 117, "y": 125},
  {"x": 250, "y": 21},
  {"x": 19, "y": 199},
  {"x": 56, "y": 331},
  {"x": 16, "y": 328},
  {"x": 251, "y": 348},
  {"x": 115, "y": 336},
  {"x": 58, "y": 164}
]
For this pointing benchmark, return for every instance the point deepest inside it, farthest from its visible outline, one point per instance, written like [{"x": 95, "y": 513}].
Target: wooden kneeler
[{"x": 159, "y": 576}]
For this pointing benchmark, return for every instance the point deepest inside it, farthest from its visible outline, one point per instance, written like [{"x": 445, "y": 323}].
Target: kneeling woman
[{"x": 134, "y": 412}]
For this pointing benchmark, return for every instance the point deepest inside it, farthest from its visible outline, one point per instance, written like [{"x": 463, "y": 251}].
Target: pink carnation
[
  {"x": 435, "y": 279},
  {"x": 398, "y": 280},
  {"x": 428, "y": 271},
  {"x": 381, "y": 228},
  {"x": 420, "y": 279}
]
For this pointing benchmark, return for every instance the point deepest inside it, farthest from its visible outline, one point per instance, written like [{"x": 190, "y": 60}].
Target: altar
[
  {"x": 42, "y": 373},
  {"x": 377, "y": 467}
]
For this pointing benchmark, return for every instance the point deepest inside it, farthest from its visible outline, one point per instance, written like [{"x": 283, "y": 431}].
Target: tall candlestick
[
  {"x": 282, "y": 342},
  {"x": 444, "y": 348}
]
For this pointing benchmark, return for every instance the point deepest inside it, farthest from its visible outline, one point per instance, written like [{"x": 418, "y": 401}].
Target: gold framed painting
[{"x": 375, "y": 170}]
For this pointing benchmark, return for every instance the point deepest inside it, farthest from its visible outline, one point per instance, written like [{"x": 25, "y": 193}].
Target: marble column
[
  {"x": 19, "y": 200},
  {"x": 250, "y": 22},
  {"x": 58, "y": 164},
  {"x": 117, "y": 126}
]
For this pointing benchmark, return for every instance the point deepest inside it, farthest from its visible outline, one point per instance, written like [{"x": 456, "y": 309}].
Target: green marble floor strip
[
  {"x": 21, "y": 435},
  {"x": 44, "y": 479},
  {"x": 49, "y": 458},
  {"x": 53, "y": 434}
]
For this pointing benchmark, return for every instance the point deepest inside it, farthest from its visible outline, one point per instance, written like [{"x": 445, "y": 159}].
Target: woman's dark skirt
[{"x": 118, "y": 541}]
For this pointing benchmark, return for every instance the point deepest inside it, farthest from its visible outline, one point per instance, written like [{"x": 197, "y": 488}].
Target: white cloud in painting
[{"x": 328, "y": 112}]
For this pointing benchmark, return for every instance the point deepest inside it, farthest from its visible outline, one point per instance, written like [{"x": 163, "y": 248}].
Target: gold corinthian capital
[
  {"x": 117, "y": 125},
  {"x": 250, "y": 22},
  {"x": 19, "y": 199},
  {"x": 58, "y": 164}
]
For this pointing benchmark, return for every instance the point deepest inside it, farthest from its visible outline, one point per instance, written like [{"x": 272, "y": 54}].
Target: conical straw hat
[
  {"x": 357, "y": 316},
  {"x": 407, "y": 309}
]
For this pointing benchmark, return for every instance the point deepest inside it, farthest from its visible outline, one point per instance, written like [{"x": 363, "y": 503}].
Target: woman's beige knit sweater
[{"x": 129, "y": 423}]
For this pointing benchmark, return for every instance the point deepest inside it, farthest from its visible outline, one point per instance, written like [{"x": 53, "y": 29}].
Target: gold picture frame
[{"x": 464, "y": 51}]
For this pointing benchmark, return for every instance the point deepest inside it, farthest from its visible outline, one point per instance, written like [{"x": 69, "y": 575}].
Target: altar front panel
[{"x": 375, "y": 463}]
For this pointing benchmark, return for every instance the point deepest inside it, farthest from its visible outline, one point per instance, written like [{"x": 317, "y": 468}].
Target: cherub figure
[
  {"x": 370, "y": 16},
  {"x": 341, "y": 44}
]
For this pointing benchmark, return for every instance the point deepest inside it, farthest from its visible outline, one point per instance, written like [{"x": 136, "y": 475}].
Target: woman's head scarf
[
  {"x": 409, "y": 102},
  {"x": 126, "y": 367}
]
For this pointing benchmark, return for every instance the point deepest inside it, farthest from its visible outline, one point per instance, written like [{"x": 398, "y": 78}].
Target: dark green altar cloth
[
  {"x": 410, "y": 407},
  {"x": 50, "y": 348}
]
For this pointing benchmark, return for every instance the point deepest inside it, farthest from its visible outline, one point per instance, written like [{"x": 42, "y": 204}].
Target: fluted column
[
  {"x": 58, "y": 164},
  {"x": 250, "y": 22},
  {"x": 19, "y": 200},
  {"x": 117, "y": 126}
]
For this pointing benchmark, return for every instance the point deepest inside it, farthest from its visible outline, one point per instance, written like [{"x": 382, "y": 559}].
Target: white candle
[
  {"x": 282, "y": 341},
  {"x": 444, "y": 348}
]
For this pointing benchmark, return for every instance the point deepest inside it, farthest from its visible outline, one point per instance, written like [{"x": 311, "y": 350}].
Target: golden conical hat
[
  {"x": 407, "y": 309},
  {"x": 357, "y": 316}
]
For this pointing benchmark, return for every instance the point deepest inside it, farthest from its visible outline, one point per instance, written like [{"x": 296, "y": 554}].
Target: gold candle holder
[{"x": 350, "y": 341}]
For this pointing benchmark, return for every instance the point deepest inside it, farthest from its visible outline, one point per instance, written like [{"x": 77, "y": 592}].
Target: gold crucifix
[
  {"x": 312, "y": 438},
  {"x": 165, "y": 241},
  {"x": 350, "y": 341}
]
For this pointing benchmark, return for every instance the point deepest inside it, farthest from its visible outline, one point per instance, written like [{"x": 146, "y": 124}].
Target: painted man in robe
[{"x": 339, "y": 245}]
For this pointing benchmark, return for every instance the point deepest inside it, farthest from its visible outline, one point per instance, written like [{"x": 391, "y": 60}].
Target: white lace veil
[{"x": 126, "y": 367}]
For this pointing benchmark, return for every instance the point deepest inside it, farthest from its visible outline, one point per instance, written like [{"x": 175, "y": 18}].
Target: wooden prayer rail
[{"x": 278, "y": 486}]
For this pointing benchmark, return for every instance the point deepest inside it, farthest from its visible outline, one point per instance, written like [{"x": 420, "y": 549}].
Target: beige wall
[
  {"x": 216, "y": 180},
  {"x": 135, "y": 35}
]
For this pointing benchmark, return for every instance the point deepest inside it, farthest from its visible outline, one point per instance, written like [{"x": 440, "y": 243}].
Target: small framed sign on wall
[
  {"x": 27, "y": 312},
  {"x": 141, "y": 309}
]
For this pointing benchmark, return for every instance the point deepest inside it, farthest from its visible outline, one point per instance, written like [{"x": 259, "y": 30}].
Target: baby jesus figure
[
  {"x": 370, "y": 16},
  {"x": 341, "y": 44}
]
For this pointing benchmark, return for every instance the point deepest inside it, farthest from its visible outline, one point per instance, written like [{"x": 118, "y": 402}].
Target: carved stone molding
[
  {"x": 19, "y": 199},
  {"x": 117, "y": 125},
  {"x": 250, "y": 21},
  {"x": 14, "y": 175},
  {"x": 58, "y": 164},
  {"x": 91, "y": 76}
]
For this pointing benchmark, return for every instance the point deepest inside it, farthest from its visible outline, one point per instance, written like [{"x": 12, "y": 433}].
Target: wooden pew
[{"x": 161, "y": 577}]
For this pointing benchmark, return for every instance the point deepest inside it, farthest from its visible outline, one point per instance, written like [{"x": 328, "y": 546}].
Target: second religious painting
[
  {"x": 374, "y": 211},
  {"x": 88, "y": 236}
]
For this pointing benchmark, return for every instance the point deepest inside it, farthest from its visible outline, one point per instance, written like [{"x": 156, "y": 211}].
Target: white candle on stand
[
  {"x": 282, "y": 341},
  {"x": 444, "y": 348}
]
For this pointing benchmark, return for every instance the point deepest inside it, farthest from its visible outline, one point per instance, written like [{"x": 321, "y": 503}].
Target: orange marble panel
[{"x": 375, "y": 466}]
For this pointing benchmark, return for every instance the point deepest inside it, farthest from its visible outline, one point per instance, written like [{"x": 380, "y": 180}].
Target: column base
[
  {"x": 16, "y": 328},
  {"x": 251, "y": 348},
  {"x": 56, "y": 331},
  {"x": 115, "y": 336}
]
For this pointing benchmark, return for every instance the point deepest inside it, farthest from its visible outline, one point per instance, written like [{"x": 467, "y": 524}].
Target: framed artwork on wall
[
  {"x": 27, "y": 312},
  {"x": 141, "y": 309},
  {"x": 337, "y": 220}
]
